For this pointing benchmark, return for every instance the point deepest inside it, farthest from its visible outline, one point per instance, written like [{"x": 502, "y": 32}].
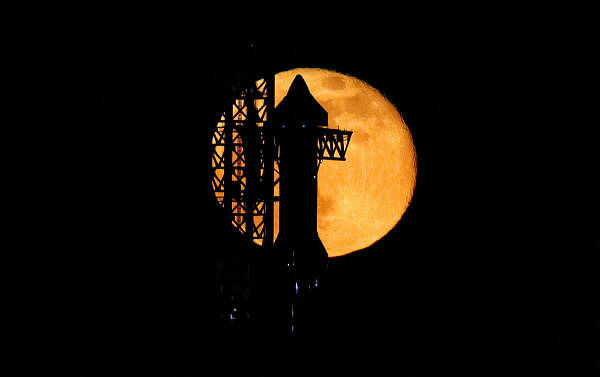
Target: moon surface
[{"x": 361, "y": 199}]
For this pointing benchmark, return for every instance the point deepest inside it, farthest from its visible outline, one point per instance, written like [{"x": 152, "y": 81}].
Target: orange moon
[{"x": 361, "y": 199}]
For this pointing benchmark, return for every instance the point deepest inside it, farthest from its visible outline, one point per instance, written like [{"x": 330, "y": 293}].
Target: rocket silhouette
[{"x": 295, "y": 120}]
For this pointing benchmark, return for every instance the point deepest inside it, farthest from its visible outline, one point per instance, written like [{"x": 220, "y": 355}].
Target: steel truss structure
[{"x": 244, "y": 157}]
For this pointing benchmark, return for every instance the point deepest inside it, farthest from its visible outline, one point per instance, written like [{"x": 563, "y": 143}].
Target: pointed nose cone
[
  {"x": 299, "y": 88},
  {"x": 300, "y": 107}
]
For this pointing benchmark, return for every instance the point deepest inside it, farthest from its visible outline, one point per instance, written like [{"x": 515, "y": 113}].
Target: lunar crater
[{"x": 333, "y": 83}]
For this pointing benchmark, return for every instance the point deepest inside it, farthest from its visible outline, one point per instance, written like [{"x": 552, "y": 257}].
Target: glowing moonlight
[{"x": 362, "y": 199}]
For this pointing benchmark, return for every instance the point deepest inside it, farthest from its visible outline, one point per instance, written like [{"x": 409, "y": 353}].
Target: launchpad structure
[{"x": 265, "y": 159}]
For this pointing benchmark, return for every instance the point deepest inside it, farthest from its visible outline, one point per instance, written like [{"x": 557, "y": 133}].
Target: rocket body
[
  {"x": 298, "y": 246},
  {"x": 296, "y": 120}
]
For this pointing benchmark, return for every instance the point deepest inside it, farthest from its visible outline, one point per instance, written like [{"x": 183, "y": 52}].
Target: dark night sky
[{"x": 487, "y": 274}]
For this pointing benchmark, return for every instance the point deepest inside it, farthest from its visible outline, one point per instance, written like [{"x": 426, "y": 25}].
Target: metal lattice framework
[
  {"x": 239, "y": 154},
  {"x": 244, "y": 159},
  {"x": 332, "y": 144}
]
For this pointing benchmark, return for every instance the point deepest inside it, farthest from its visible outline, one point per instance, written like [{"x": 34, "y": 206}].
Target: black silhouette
[
  {"x": 255, "y": 148},
  {"x": 113, "y": 238}
]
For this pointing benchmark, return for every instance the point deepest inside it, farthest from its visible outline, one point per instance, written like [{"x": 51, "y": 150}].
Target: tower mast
[{"x": 255, "y": 148}]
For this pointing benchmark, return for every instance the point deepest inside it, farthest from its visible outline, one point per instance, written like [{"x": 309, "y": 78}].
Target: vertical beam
[
  {"x": 250, "y": 151},
  {"x": 269, "y": 154},
  {"x": 211, "y": 131},
  {"x": 227, "y": 158}
]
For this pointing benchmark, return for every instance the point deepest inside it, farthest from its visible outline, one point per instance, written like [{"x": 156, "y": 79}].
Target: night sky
[{"x": 111, "y": 259}]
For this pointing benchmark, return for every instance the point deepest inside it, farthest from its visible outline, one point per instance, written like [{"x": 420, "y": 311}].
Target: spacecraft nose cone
[
  {"x": 299, "y": 88},
  {"x": 299, "y": 106}
]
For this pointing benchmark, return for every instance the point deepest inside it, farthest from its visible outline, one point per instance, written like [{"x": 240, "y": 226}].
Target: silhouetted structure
[
  {"x": 258, "y": 151},
  {"x": 303, "y": 141}
]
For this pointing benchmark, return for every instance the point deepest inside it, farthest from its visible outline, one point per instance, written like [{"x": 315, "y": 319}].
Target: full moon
[{"x": 361, "y": 199}]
